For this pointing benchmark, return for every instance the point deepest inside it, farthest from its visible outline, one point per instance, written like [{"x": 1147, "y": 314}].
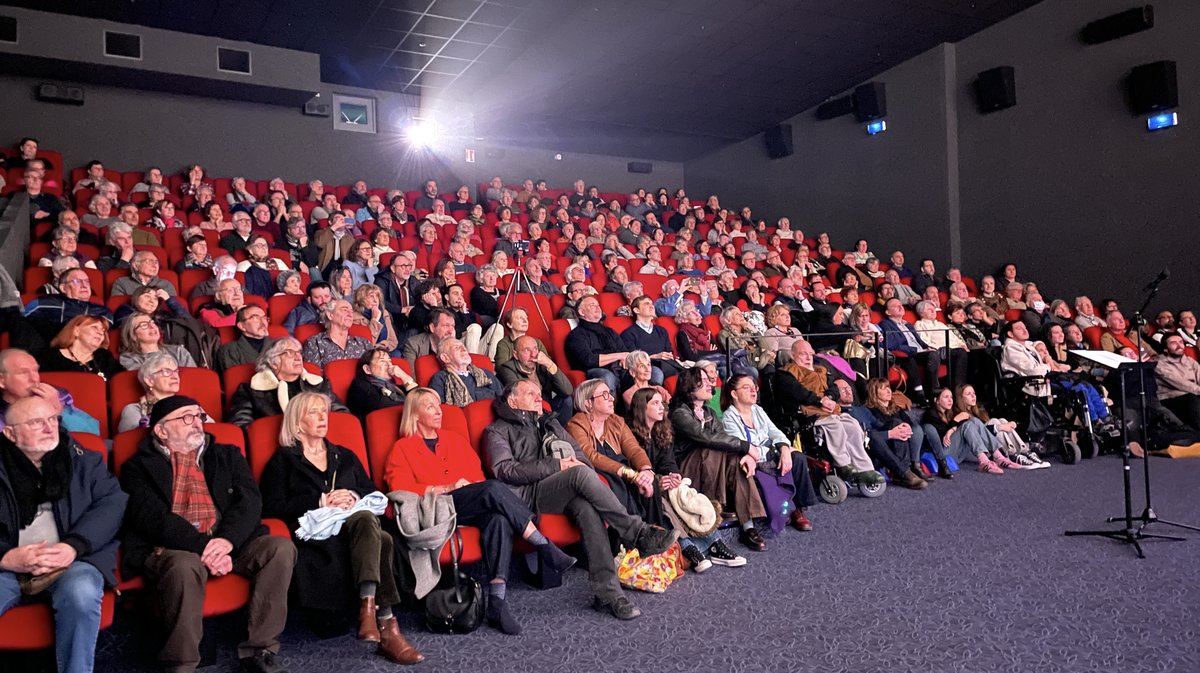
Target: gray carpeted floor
[{"x": 973, "y": 575}]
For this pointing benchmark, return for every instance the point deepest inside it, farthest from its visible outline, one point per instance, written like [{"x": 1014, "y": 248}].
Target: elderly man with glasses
[
  {"x": 196, "y": 513},
  {"x": 59, "y": 524}
]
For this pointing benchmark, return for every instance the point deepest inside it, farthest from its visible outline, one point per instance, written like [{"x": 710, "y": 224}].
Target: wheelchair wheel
[
  {"x": 871, "y": 490},
  {"x": 1089, "y": 445},
  {"x": 832, "y": 490},
  {"x": 1071, "y": 453}
]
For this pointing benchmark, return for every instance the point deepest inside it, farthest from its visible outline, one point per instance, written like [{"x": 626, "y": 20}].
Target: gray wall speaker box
[
  {"x": 640, "y": 167},
  {"x": 318, "y": 108},
  {"x": 778, "y": 140},
  {"x": 58, "y": 93}
]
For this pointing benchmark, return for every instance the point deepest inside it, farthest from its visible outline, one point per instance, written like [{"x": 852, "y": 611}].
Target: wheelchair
[
  {"x": 831, "y": 488},
  {"x": 1069, "y": 429}
]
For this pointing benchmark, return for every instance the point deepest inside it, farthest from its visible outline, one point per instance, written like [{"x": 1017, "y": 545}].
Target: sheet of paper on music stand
[{"x": 1103, "y": 358}]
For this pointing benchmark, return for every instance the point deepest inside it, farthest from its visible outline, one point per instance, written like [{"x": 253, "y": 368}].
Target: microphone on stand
[{"x": 1162, "y": 275}]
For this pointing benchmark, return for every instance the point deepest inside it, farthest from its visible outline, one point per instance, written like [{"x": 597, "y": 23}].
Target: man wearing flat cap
[{"x": 194, "y": 513}]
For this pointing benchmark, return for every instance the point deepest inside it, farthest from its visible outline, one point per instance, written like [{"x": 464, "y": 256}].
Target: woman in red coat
[{"x": 427, "y": 459}]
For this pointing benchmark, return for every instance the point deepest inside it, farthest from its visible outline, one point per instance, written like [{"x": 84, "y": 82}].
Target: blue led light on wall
[
  {"x": 876, "y": 127},
  {"x": 1163, "y": 121}
]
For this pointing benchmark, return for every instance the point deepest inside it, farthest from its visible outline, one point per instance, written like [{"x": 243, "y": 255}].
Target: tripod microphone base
[
  {"x": 1148, "y": 517},
  {"x": 1125, "y": 535}
]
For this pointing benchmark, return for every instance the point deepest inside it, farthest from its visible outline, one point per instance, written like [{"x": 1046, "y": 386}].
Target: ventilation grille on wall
[
  {"x": 8, "y": 29},
  {"x": 233, "y": 60},
  {"x": 122, "y": 45}
]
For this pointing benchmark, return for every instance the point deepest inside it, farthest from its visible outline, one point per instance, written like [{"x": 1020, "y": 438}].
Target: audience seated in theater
[
  {"x": 159, "y": 376},
  {"x": 141, "y": 338},
  {"x": 223, "y": 268},
  {"x": 306, "y": 473},
  {"x": 43, "y": 206},
  {"x": 328, "y": 206},
  {"x": 1012, "y": 452},
  {"x": 369, "y": 312},
  {"x": 895, "y": 435},
  {"x": 1187, "y": 327},
  {"x": 280, "y": 376},
  {"x": 438, "y": 328},
  {"x": 467, "y": 325},
  {"x": 1116, "y": 338},
  {"x": 82, "y": 346},
  {"x": 288, "y": 281},
  {"x": 195, "y": 255},
  {"x": 334, "y": 242},
  {"x": 566, "y": 485},
  {"x": 1178, "y": 377},
  {"x": 534, "y": 280},
  {"x": 258, "y": 254},
  {"x": 336, "y": 342},
  {"x": 212, "y": 526},
  {"x": 737, "y": 335},
  {"x": 717, "y": 465},
  {"x": 20, "y": 378},
  {"x": 361, "y": 263},
  {"x": 802, "y": 387},
  {"x": 945, "y": 340},
  {"x": 308, "y": 311},
  {"x": 959, "y": 434},
  {"x": 62, "y": 516},
  {"x": 65, "y": 244},
  {"x": 921, "y": 361},
  {"x": 399, "y": 287},
  {"x": 460, "y": 381},
  {"x": 629, "y": 291},
  {"x": 378, "y": 383},
  {"x": 251, "y": 323},
  {"x": 120, "y": 238},
  {"x": 595, "y": 348},
  {"x": 143, "y": 272},
  {"x": 222, "y": 310},
  {"x": 428, "y": 297},
  {"x": 645, "y": 335}
]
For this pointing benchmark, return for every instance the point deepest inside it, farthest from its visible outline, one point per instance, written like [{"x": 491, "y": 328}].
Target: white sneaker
[{"x": 1031, "y": 461}]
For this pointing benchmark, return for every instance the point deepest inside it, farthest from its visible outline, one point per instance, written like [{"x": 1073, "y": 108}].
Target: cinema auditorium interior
[{"x": 606, "y": 336}]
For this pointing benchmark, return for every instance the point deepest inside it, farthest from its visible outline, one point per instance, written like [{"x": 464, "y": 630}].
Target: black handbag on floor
[{"x": 457, "y": 604}]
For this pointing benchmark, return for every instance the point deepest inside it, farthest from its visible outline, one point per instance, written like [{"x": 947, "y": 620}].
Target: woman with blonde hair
[
  {"x": 370, "y": 311},
  {"x": 431, "y": 459},
  {"x": 780, "y": 334},
  {"x": 352, "y": 568}
]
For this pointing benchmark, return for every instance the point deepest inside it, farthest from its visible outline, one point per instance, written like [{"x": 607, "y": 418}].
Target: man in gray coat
[{"x": 513, "y": 445}]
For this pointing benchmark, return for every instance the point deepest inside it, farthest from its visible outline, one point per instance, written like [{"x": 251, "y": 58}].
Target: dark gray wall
[
  {"x": 845, "y": 182},
  {"x": 1069, "y": 183},
  {"x": 128, "y": 129}
]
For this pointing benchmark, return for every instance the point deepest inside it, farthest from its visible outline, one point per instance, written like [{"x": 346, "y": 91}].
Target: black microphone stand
[{"x": 1148, "y": 516}]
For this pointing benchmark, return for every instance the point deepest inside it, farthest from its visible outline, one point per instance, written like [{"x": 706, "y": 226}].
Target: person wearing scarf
[{"x": 460, "y": 382}]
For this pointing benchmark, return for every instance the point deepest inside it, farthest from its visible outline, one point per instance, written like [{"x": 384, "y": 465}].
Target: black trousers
[
  {"x": 498, "y": 513},
  {"x": 1186, "y": 407}
]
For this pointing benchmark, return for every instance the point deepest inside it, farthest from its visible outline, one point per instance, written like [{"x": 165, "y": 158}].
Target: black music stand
[{"x": 1128, "y": 535}]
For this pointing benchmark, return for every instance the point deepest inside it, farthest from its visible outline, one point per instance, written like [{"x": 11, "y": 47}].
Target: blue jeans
[
  {"x": 75, "y": 598},
  {"x": 605, "y": 374}
]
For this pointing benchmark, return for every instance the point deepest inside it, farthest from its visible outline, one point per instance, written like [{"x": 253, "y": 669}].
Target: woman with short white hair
[{"x": 159, "y": 376}]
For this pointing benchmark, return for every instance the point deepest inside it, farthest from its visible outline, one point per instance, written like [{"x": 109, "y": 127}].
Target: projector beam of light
[{"x": 422, "y": 133}]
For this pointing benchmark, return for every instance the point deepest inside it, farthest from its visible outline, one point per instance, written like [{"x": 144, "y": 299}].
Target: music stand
[{"x": 1128, "y": 534}]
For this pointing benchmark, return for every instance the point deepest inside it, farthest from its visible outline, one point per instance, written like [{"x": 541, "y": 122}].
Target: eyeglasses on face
[
  {"x": 189, "y": 419},
  {"x": 39, "y": 423}
]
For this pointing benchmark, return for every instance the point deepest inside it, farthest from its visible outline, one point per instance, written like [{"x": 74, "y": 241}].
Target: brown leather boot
[
  {"x": 394, "y": 646},
  {"x": 368, "y": 630}
]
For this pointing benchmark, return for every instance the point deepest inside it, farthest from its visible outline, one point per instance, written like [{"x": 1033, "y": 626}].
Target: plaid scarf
[
  {"x": 457, "y": 392},
  {"x": 190, "y": 497}
]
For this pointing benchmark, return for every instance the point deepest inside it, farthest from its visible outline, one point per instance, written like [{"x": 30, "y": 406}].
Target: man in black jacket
[
  {"x": 645, "y": 335},
  {"x": 529, "y": 363},
  {"x": 595, "y": 348},
  {"x": 195, "y": 512},
  {"x": 399, "y": 288},
  {"x": 513, "y": 445}
]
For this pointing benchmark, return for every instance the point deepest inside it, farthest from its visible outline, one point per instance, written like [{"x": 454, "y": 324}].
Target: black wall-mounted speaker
[
  {"x": 58, "y": 93},
  {"x": 1119, "y": 25},
  {"x": 640, "y": 167},
  {"x": 779, "y": 141},
  {"x": 835, "y": 108},
  {"x": 996, "y": 89},
  {"x": 1153, "y": 87},
  {"x": 870, "y": 101},
  {"x": 8, "y": 29}
]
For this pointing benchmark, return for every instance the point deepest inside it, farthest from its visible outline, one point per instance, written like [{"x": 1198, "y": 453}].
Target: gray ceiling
[{"x": 664, "y": 79}]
